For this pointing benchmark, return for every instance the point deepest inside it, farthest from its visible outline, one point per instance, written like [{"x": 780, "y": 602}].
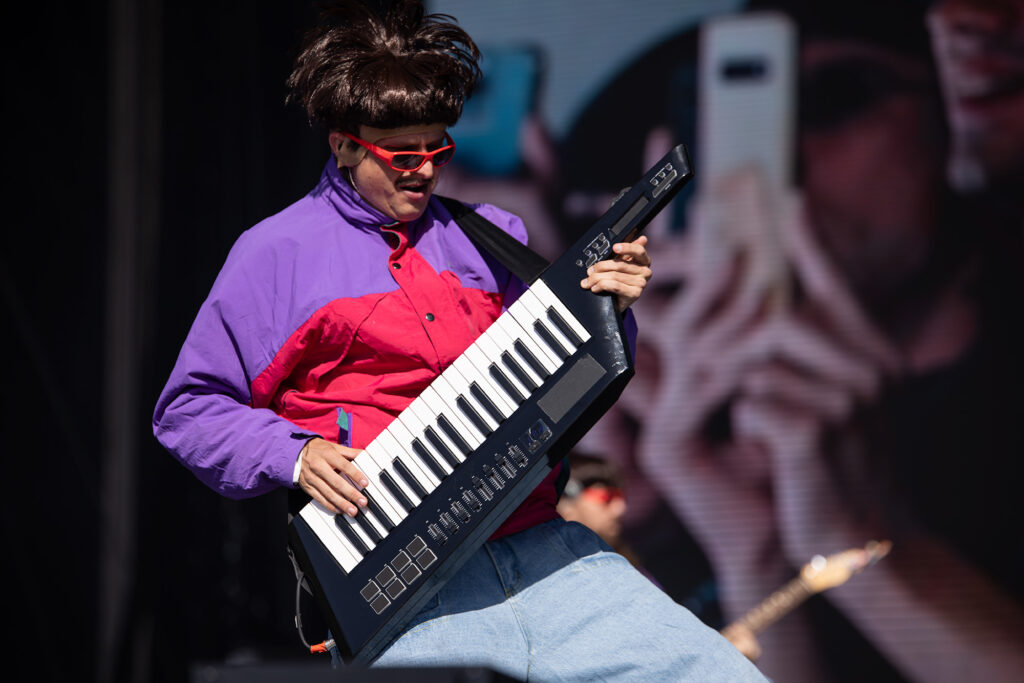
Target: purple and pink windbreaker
[{"x": 328, "y": 319}]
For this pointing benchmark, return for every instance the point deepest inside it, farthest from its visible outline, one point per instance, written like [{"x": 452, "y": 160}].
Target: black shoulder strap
[{"x": 521, "y": 261}]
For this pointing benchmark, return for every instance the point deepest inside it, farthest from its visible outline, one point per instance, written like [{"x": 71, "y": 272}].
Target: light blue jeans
[{"x": 554, "y": 603}]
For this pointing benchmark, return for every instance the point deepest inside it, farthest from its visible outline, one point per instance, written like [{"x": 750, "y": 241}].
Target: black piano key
[
  {"x": 441, "y": 447},
  {"x": 486, "y": 402},
  {"x": 454, "y": 435},
  {"x": 428, "y": 459},
  {"x": 396, "y": 491},
  {"x": 505, "y": 383},
  {"x": 367, "y": 526},
  {"x": 530, "y": 359},
  {"x": 559, "y": 322},
  {"x": 545, "y": 334},
  {"x": 472, "y": 415},
  {"x": 378, "y": 513},
  {"x": 408, "y": 478},
  {"x": 516, "y": 369},
  {"x": 351, "y": 535}
]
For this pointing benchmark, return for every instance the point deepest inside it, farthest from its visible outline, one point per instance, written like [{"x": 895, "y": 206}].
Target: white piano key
[
  {"x": 394, "y": 450},
  {"x": 473, "y": 365},
  {"x": 354, "y": 525},
  {"x": 369, "y": 517},
  {"x": 405, "y": 439},
  {"x": 493, "y": 353},
  {"x": 411, "y": 422},
  {"x": 321, "y": 522},
  {"x": 460, "y": 384},
  {"x": 425, "y": 477},
  {"x": 540, "y": 312},
  {"x": 526, "y": 335},
  {"x": 444, "y": 402},
  {"x": 416, "y": 428},
  {"x": 505, "y": 331},
  {"x": 525, "y": 320},
  {"x": 483, "y": 353},
  {"x": 377, "y": 524},
  {"x": 383, "y": 460},
  {"x": 377, "y": 490},
  {"x": 428, "y": 417},
  {"x": 548, "y": 298}
]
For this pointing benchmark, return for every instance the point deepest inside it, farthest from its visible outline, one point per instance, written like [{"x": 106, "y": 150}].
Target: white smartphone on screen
[
  {"x": 746, "y": 96},
  {"x": 746, "y": 116}
]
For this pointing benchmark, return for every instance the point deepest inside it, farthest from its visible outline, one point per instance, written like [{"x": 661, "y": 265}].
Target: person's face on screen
[
  {"x": 979, "y": 51},
  {"x": 871, "y": 159}
]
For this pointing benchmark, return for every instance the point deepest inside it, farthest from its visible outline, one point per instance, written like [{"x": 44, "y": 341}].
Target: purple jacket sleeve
[{"x": 203, "y": 416}]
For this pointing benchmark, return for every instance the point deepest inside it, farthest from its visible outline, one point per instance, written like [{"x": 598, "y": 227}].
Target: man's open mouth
[{"x": 421, "y": 187}]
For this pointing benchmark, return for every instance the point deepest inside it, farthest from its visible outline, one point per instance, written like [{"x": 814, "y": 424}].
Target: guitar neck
[
  {"x": 777, "y": 605},
  {"x": 820, "y": 574}
]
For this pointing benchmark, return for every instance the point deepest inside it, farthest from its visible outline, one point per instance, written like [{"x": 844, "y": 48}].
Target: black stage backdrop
[{"x": 141, "y": 138}]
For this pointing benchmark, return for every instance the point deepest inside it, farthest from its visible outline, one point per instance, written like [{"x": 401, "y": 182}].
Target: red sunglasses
[
  {"x": 409, "y": 161},
  {"x": 603, "y": 494}
]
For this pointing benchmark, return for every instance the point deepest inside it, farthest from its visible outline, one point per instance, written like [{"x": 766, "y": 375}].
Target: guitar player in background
[
  {"x": 595, "y": 497},
  {"x": 331, "y": 316}
]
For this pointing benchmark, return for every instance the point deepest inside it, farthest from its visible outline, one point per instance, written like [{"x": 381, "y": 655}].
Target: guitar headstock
[{"x": 822, "y": 573}]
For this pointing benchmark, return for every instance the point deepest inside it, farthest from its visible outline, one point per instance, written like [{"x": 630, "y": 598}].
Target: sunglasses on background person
[
  {"x": 409, "y": 161},
  {"x": 602, "y": 494}
]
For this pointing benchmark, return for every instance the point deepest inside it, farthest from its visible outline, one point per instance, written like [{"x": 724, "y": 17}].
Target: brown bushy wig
[{"x": 383, "y": 67}]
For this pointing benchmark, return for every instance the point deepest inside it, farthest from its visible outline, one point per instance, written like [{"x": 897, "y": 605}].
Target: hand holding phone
[{"x": 745, "y": 126}]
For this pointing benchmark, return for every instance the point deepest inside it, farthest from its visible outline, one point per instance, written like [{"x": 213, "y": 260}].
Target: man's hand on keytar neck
[{"x": 624, "y": 276}]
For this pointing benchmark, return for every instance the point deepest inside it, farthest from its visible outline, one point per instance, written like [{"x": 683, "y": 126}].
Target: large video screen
[{"x": 820, "y": 453}]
